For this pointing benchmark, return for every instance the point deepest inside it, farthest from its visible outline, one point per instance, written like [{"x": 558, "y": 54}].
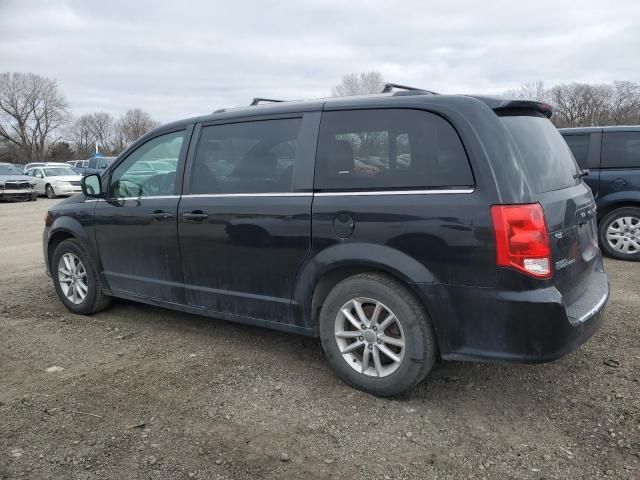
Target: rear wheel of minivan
[
  {"x": 376, "y": 334},
  {"x": 619, "y": 233},
  {"x": 76, "y": 279}
]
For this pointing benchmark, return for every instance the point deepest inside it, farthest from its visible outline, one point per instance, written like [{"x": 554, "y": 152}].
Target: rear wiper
[{"x": 582, "y": 173}]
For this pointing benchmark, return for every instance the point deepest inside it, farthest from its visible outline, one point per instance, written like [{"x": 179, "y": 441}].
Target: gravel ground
[{"x": 148, "y": 393}]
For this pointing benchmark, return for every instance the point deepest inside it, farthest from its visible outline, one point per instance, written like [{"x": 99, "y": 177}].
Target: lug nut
[
  {"x": 362, "y": 327},
  {"x": 379, "y": 341},
  {"x": 370, "y": 347},
  {"x": 375, "y": 329},
  {"x": 360, "y": 338}
]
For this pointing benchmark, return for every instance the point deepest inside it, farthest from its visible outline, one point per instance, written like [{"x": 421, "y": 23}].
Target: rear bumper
[
  {"x": 531, "y": 326},
  {"x": 68, "y": 191}
]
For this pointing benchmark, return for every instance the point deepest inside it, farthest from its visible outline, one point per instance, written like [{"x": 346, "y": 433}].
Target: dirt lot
[{"x": 148, "y": 393}]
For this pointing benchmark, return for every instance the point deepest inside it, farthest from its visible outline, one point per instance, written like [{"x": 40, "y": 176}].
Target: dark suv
[
  {"x": 397, "y": 227},
  {"x": 612, "y": 156}
]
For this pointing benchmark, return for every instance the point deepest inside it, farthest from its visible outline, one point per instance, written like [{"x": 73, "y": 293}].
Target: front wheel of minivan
[
  {"x": 76, "y": 279},
  {"x": 376, "y": 335},
  {"x": 619, "y": 233}
]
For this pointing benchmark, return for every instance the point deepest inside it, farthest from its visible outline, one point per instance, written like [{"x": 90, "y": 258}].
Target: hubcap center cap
[{"x": 370, "y": 336}]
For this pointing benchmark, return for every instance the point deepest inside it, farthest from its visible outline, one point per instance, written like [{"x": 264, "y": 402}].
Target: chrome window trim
[
  {"x": 120, "y": 199},
  {"x": 396, "y": 192},
  {"x": 300, "y": 194},
  {"x": 232, "y": 195}
]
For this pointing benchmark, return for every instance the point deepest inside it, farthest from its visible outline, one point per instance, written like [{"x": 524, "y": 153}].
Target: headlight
[{"x": 1, "y": 184}]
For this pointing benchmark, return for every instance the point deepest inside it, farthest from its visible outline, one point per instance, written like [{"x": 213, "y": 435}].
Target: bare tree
[
  {"x": 584, "y": 105},
  {"x": 534, "y": 90},
  {"x": 32, "y": 110},
  {"x": 580, "y": 105},
  {"x": 102, "y": 127},
  {"x": 81, "y": 135},
  {"x": 364, "y": 83},
  {"x": 625, "y": 103},
  {"x": 131, "y": 126}
]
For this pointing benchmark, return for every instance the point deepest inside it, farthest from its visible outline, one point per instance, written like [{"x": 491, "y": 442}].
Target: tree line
[
  {"x": 586, "y": 104},
  {"x": 574, "y": 104},
  {"x": 36, "y": 123}
]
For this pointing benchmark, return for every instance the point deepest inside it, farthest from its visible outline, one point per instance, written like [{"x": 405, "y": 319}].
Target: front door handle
[
  {"x": 160, "y": 215},
  {"x": 195, "y": 216}
]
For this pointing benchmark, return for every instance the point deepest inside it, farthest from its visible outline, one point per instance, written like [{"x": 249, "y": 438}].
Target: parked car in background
[
  {"x": 14, "y": 184},
  {"x": 54, "y": 181},
  {"x": 397, "y": 228},
  {"x": 79, "y": 166},
  {"x": 612, "y": 157},
  {"x": 34, "y": 164},
  {"x": 98, "y": 164}
]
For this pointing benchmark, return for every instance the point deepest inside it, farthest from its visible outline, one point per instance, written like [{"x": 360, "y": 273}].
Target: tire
[
  {"x": 623, "y": 223},
  {"x": 51, "y": 193},
  {"x": 413, "y": 328},
  {"x": 95, "y": 300}
]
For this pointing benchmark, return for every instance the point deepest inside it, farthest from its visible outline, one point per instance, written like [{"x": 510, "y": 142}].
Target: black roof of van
[{"x": 407, "y": 98}]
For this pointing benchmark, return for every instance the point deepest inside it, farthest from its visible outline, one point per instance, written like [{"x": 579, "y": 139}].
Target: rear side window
[
  {"x": 621, "y": 150},
  {"x": 547, "y": 158},
  {"x": 579, "y": 145},
  {"x": 247, "y": 157},
  {"x": 389, "y": 149}
]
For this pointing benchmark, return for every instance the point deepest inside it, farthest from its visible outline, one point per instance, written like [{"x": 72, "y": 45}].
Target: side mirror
[{"x": 91, "y": 186}]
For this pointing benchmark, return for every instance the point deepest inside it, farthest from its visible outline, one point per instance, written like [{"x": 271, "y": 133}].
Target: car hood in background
[{"x": 16, "y": 178}]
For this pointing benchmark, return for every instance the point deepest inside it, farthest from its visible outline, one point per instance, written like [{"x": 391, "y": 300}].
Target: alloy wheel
[
  {"x": 623, "y": 235},
  {"x": 370, "y": 337},
  {"x": 72, "y": 276}
]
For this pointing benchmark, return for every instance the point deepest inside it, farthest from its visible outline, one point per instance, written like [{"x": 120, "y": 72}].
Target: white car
[{"x": 53, "y": 181}]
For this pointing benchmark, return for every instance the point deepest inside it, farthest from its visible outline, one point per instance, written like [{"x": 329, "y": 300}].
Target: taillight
[{"x": 522, "y": 241}]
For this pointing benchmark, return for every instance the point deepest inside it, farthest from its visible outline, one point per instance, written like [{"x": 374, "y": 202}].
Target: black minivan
[{"x": 398, "y": 228}]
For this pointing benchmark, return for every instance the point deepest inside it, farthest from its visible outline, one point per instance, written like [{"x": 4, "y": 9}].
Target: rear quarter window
[
  {"x": 579, "y": 146},
  {"x": 547, "y": 158},
  {"x": 621, "y": 150},
  {"x": 382, "y": 149}
]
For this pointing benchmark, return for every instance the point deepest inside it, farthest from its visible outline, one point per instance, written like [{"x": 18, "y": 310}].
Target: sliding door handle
[
  {"x": 196, "y": 216},
  {"x": 160, "y": 215}
]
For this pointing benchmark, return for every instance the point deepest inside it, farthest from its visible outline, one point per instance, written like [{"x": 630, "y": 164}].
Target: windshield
[
  {"x": 548, "y": 160},
  {"x": 58, "y": 171},
  {"x": 10, "y": 170}
]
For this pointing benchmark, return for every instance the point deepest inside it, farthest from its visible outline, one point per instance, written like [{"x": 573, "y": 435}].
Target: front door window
[{"x": 150, "y": 170}]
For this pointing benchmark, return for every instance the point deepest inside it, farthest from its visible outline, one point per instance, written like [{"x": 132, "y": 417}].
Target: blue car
[{"x": 611, "y": 155}]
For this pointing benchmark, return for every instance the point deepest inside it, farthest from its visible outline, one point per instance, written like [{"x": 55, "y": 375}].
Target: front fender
[{"x": 77, "y": 224}]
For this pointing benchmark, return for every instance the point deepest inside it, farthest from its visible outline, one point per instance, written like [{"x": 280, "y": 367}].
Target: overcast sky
[{"x": 182, "y": 58}]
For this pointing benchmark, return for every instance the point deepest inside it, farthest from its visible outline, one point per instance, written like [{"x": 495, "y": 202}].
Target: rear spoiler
[{"x": 499, "y": 104}]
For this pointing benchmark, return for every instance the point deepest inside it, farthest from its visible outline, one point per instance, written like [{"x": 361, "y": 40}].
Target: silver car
[
  {"x": 15, "y": 185},
  {"x": 54, "y": 181}
]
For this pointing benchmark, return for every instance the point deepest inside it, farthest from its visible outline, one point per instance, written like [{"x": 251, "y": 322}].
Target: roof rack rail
[
  {"x": 257, "y": 100},
  {"x": 388, "y": 87}
]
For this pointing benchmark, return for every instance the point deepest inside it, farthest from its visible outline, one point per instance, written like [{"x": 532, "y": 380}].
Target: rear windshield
[{"x": 548, "y": 160}]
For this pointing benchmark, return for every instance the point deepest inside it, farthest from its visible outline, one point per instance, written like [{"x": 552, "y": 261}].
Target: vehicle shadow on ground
[{"x": 449, "y": 382}]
